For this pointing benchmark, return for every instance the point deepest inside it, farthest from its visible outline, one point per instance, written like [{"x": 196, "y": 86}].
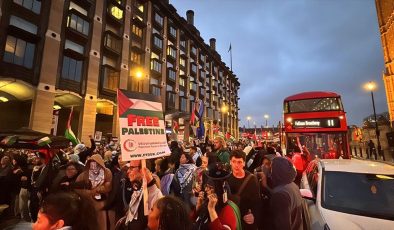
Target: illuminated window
[
  {"x": 171, "y": 52},
  {"x": 19, "y": 52},
  {"x": 182, "y": 62},
  {"x": 136, "y": 30},
  {"x": 181, "y": 72},
  {"x": 33, "y": 5},
  {"x": 23, "y": 24},
  {"x": 135, "y": 57},
  {"x": 116, "y": 12},
  {"x": 154, "y": 55},
  {"x": 110, "y": 79},
  {"x": 140, "y": 7},
  {"x": 182, "y": 82}
]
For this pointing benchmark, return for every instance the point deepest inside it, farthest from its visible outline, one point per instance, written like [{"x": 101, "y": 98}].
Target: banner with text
[{"x": 142, "y": 126}]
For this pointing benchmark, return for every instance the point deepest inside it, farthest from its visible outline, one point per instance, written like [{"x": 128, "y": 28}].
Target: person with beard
[
  {"x": 182, "y": 184},
  {"x": 286, "y": 201},
  {"x": 133, "y": 195},
  {"x": 94, "y": 184},
  {"x": 220, "y": 152}
]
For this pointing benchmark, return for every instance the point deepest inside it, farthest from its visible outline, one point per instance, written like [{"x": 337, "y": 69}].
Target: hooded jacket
[{"x": 286, "y": 200}]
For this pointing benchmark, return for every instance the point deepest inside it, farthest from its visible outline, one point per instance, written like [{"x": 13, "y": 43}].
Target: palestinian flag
[
  {"x": 69, "y": 134},
  {"x": 9, "y": 140},
  {"x": 175, "y": 126},
  {"x": 44, "y": 141}
]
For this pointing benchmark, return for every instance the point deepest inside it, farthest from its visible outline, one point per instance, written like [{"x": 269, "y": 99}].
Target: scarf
[
  {"x": 132, "y": 213},
  {"x": 96, "y": 179},
  {"x": 184, "y": 174}
]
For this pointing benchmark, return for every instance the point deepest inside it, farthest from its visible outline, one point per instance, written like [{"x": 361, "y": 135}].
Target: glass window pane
[
  {"x": 65, "y": 67},
  {"x": 23, "y": 24},
  {"x": 9, "y": 49},
  {"x": 36, "y": 6},
  {"x": 78, "y": 8},
  {"x": 78, "y": 71},
  {"x": 29, "y": 55},
  {"x": 74, "y": 46},
  {"x": 19, "y": 52}
]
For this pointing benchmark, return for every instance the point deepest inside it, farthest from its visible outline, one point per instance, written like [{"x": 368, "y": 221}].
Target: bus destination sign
[{"x": 317, "y": 123}]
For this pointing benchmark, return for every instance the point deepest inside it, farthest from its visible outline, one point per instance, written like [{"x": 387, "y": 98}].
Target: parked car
[{"x": 348, "y": 194}]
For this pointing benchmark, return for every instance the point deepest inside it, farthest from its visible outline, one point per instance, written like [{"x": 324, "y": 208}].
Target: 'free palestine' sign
[{"x": 142, "y": 126}]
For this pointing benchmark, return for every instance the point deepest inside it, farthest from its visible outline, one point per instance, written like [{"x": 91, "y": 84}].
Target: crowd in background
[{"x": 212, "y": 185}]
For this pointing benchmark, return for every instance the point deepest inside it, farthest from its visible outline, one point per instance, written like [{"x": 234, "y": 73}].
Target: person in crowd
[
  {"x": 168, "y": 176},
  {"x": 199, "y": 175},
  {"x": 263, "y": 173},
  {"x": 83, "y": 152},
  {"x": 169, "y": 213},
  {"x": 158, "y": 167},
  {"x": 175, "y": 153},
  {"x": 245, "y": 190},
  {"x": 182, "y": 184},
  {"x": 67, "y": 182},
  {"x": 213, "y": 210},
  {"x": 195, "y": 153},
  {"x": 133, "y": 195},
  {"x": 286, "y": 201},
  {"x": 37, "y": 184},
  {"x": 19, "y": 176},
  {"x": 65, "y": 211},
  {"x": 94, "y": 184},
  {"x": 220, "y": 151},
  {"x": 114, "y": 203},
  {"x": 5, "y": 171},
  {"x": 300, "y": 161}
]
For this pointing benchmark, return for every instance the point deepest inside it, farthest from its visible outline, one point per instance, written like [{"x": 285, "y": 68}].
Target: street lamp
[
  {"x": 224, "y": 110},
  {"x": 371, "y": 86},
  {"x": 266, "y": 116},
  {"x": 248, "y": 118},
  {"x": 138, "y": 73}
]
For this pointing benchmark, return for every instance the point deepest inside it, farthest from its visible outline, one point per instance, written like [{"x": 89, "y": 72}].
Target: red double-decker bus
[{"x": 317, "y": 121}]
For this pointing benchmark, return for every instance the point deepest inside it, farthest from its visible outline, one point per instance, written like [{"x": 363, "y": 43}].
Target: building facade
[
  {"x": 385, "y": 12},
  {"x": 57, "y": 55}
]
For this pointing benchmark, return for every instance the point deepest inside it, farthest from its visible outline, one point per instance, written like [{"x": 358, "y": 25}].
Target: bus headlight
[
  {"x": 341, "y": 117},
  {"x": 289, "y": 119}
]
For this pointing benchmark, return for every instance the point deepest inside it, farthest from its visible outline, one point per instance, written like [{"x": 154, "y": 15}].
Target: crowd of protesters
[{"x": 213, "y": 185}]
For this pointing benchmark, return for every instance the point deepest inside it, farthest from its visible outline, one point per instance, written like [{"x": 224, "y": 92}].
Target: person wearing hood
[
  {"x": 94, "y": 184},
  {"x": 220, "y": 151},
  {"x": 286, "y": 200}
]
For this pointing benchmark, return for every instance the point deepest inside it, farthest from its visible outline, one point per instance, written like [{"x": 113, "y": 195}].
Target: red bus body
[{"x": 317, "y": 121}]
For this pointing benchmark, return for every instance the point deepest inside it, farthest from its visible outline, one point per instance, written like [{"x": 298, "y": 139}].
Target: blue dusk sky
[{"x": 281, "y": 48}]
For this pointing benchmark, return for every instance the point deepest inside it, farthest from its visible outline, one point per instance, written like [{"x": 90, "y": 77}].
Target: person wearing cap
[
  {"x": 286, "y": 201},
  {"x": 213, "y": 210},
  {"x": 94, "y": 184}
]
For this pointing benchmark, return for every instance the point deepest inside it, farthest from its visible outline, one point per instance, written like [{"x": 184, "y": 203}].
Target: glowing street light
[
  {"x": 138, "y": 74},
  {"x": 371, "y": 86},
  {"x": 266, "y": 116},
  {"x": 248, "y": 118}
]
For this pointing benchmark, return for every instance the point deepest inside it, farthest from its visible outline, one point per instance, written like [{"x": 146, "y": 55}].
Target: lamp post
[
  {"x": 224, "y": 110},
  {"x": 371, "y": 86},
  {"x": 248, "y": 118},
  {"x": 266, "y": 116}
]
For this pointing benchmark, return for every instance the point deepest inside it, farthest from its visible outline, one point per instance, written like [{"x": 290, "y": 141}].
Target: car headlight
[{"x": 326, "y": 227}]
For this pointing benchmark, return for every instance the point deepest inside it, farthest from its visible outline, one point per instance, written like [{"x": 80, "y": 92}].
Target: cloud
[{"x": 282, "y": 48}]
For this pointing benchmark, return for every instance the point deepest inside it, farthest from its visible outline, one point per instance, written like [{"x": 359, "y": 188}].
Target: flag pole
[{"x": 231, "y": 57}]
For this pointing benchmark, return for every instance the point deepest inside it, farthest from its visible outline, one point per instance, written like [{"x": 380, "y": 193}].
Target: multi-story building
[
  {"x": 385, "y": 12},
  {"x": 58, "y": 55}
]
